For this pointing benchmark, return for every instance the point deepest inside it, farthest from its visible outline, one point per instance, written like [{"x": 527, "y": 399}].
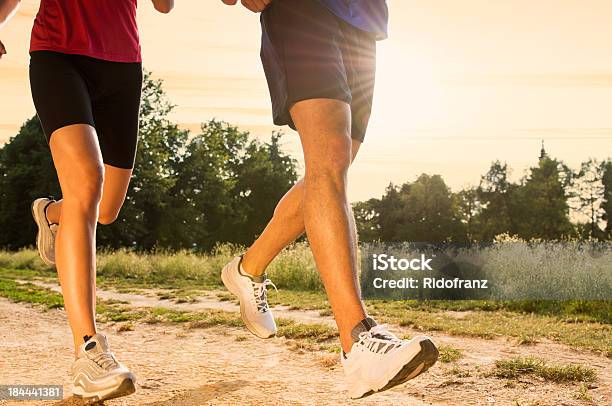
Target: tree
[
  {"x": 264, "y": 175},
  {"x": 542, "y": 209},
  {"x": 26, "y": 173},
  {"x": 227, "y": 187},
  {"x": 390, "y": 214},
  {"x": 587, "y": 196},
  {"x": 606, "y": 202},
  {"x": 421, "y": 211},
  {"x": 367, "y": 220},
  {"x": 468, "y": 207},
  {"x": 496, "y": 196}
]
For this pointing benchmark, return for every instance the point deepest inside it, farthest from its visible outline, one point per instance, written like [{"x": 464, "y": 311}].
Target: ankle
[
  {"x": 80, "y": 339},
  {"x": 250, "y": 268},
  {"x": 50, "y": 213},
  {"x": 77, "y": 346},
  {"x": 346, "y": 343},
  {"x": 350, "y": 337}
]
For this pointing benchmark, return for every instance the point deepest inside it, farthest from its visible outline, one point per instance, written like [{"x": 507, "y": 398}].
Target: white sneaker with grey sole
[
  {"x": 45, "y": 239},
  {"x": 97, "y": 375},
  {"x": 252, "y": 294},
  {"x": 379, "y": 360}
]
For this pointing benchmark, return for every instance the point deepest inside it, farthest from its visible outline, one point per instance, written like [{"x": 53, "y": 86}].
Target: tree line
[
  {"x": 193, "y": 191},
  {"x": 551, "y": 202}
]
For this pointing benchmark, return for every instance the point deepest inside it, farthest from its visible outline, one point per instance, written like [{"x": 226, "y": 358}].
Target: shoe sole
[
  {"x": 424, "y": 360},
  {"x": 230, "y": 287},
  {"x": 40, "y": 238},
  {"x": 126, "y": 388}
]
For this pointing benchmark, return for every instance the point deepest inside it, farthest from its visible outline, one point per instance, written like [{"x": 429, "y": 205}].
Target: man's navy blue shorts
[{"x": 309, "y": 53}]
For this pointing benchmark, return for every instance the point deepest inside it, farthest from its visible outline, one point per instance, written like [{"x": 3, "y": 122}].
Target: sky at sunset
[{"x": 460, "y": 82}]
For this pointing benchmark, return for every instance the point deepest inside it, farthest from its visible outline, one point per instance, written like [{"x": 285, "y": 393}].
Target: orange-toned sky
[{"x": 460, "y": 82}]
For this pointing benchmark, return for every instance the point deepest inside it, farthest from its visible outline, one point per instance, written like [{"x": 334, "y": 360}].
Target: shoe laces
[
  {"x": 260, "y": 294},
  {"x": 379, "y": 340},
  {"x": 105, "y": 360}
]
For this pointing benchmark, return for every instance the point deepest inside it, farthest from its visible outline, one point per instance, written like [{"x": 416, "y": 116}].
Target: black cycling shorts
[
  {"x": 75, "y": 89},
  {"x": 309, "y": 53}
]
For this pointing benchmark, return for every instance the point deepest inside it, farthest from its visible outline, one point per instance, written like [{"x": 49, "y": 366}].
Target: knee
[
  {"x": 86, "y": 189},
  {"x": 329, "y": 161},
  {"x": 107, "y": 217},
  {"x": 331, "y": 169}
]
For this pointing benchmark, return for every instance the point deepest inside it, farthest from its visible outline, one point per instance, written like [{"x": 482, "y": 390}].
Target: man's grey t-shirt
[{"x": 367, "y": 15}]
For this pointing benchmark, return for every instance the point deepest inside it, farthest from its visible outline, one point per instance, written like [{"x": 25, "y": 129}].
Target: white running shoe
[
  {"x": 96, "y": 374},
  {"x": 252, "y": 293},
  {"x": 45, "y": 239},
  {"x": 379, "y": 360}
]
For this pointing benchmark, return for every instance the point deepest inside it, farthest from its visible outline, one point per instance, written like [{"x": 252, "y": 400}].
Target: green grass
[
  {"x": 517, "y": 367},
  {"x": 449, "y": 354},
  {"x": 571, "y": 311},
  {"x": 28, "y": 293},
  {"x": 587, "y": 335},
  {"x": 293, "y": 269},
  {"x": 301, "y": 300},
  {"x": 129, "y": 326},
  {"x": 459, "y": 372},
  {"x": 182, "y": 295},
  {"x": 201, "y": 319},
  {"x": 583, "y": 393},
  {"x": 313, "y": 332},
  {"x": 183, "y": 269},
  {"x": 26, "y": 274},
  {"x": 524, "y": 339},
  {"x": 23, "y": 259},
  {"x": 118, "y": 313}
]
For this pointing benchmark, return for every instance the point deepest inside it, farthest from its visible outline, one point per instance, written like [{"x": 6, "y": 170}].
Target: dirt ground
[{"x": 228, "y": 366}]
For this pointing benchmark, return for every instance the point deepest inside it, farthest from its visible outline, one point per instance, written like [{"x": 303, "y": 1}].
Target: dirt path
[
  {"x": 178, "y": 366},
  {"x": 476, "y": 351},
  {"x": 202, "y": 303}
]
